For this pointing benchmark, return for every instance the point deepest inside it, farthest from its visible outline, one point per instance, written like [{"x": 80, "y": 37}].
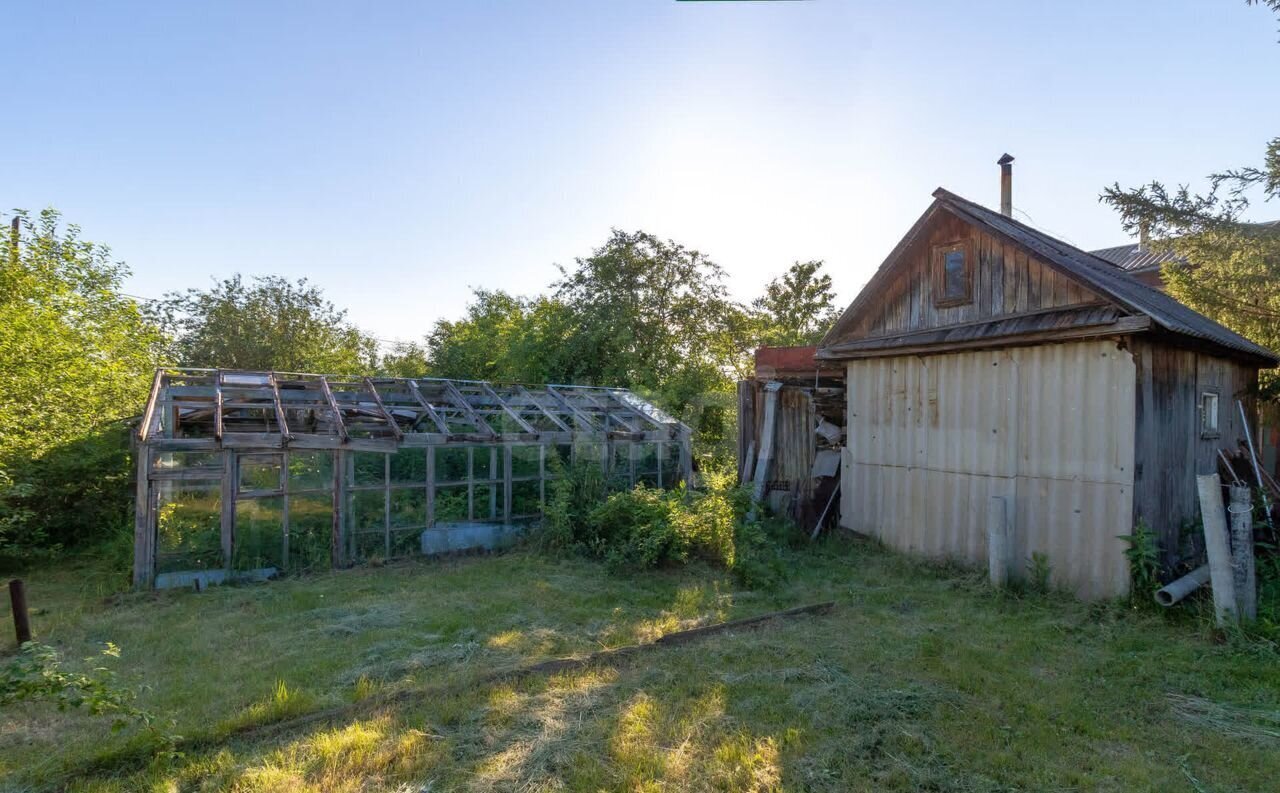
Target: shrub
[
  {"x": 644, "y": 527},
  {"x": 37, "y": 674},
  {"x": 1143, "y": 554},
  {"x": 76, "y": 494},
  {"x": 575, "y": 489}
]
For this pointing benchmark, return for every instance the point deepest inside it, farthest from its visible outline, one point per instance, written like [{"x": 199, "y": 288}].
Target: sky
[{"x": 400, "y": 154}]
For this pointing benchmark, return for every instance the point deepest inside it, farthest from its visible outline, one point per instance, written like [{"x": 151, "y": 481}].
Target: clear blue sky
[{"x": 399, "y": 153}]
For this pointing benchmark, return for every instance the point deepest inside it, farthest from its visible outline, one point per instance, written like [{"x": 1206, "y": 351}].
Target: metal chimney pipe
[{"x": 1006, "y": 185}]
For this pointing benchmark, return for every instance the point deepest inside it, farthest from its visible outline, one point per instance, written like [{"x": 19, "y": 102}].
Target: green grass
[{"x": 922, "y": 679}]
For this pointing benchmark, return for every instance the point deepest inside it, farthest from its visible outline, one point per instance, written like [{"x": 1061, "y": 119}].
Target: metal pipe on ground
[{"x": 1178, "y": 590}]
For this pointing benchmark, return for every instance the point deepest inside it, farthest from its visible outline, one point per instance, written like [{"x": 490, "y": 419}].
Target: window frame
[
  {"x": 1216, "y": 430},
  {"x": 939, "y": 257}
]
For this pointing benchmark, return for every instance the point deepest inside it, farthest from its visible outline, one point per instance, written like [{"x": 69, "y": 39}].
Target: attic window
[
  {"x": 1209, "y": 414},
  {"x": 953, "y": 274}
]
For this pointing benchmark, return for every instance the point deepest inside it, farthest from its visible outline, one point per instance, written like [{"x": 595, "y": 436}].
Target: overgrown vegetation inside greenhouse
[{"x": 246, "y": 474}]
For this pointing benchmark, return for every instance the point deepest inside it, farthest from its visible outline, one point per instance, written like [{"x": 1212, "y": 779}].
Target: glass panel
[
  {"x": 409, "y": 508},
  {"x": 367, "y": 510},
  {"x": 310, "y": 530},
  {"x": 525, "y": 499},
  {"x": 1209, "y": 412},
  {"x": 588, "y": 452},
  {"x": 956, "y": 279},
  {"x": 260, "y": 471},
  {"x": 189, "y": 528},
  {"x": 451, "y": 464},
  {"x": 406, "y": 543},
  {"x": 409, "y": 467},
  {"x": 310, "y": 471},
  {"x": 481, "y": 461},
  {"x": 487, "y": 508},
  {"x": 524, "y": 461},
  {"x": 370, "y": 468},
  {"x": 259, "y": 533},
  {"x": 165, "y": 461},
  {"x": 369, "y": 545},
  {"x": 451, "y": 504}
]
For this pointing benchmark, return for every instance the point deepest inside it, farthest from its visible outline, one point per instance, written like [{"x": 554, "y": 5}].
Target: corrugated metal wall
[{"x": 930, "y": 439}]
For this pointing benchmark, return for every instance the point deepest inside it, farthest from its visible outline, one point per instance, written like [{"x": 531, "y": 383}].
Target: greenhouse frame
[{"x": 245, "y": 474}]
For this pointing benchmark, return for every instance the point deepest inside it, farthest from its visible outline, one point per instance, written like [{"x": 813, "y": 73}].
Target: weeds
[
  {"x": 1143, "y": 554},
  {"x": 37, "y": 675},
  {"x": 644, "y": 527},
  {"x": 1039, "y": 572}
]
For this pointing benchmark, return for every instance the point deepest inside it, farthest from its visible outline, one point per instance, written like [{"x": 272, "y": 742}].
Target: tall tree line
[{"x": 77, "y": 354}]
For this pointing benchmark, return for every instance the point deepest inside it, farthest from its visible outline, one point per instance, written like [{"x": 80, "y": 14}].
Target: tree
[
  {"x": 1226, "y": 269},
  {"x": 269, "y": 324},
  {"x": 406, "y": 359},
  {"x": 76, "y": 358},
  {"x": 504, "y": 337},
  {"x": 796, "y": 309},
  {"x": 651, "y": 314}
]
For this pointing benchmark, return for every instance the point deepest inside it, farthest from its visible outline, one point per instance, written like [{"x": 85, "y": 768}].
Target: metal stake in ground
[{"x": 21, "y": 619}]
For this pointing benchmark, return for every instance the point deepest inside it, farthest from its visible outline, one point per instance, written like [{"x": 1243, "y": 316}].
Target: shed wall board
[
  {"x": 1169, "y": 449},
  {"x": 931, "y": 439},
  {"x": 1005, "y": 281}
]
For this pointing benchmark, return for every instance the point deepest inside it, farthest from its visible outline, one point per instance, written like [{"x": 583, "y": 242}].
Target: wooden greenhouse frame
[{"x": 341, "y": 469}]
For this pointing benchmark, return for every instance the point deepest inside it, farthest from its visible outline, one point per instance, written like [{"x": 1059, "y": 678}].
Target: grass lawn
[{"x": 921, "y": 679}]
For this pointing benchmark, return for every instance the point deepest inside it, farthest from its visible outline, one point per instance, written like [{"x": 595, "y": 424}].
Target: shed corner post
[{"x": 144, "y": 527}]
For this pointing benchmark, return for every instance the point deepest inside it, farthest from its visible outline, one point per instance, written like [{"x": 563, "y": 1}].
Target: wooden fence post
[{"x": 21, "y": 618}]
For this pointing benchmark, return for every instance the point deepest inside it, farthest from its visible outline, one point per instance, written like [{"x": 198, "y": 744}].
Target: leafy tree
[
  {"x": 76, "y": 356},
  {"x": 406, "y": 359},
  {"x": 268, "y": 323},
  {"x": 797, "y": 308},
  {"x": 504, "y": 337},
  {"x": 1227, "y": 269},
  {"x": 653, "y": 315}
]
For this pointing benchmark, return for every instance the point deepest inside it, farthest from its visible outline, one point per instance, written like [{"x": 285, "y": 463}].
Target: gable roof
[{"x": 1100, "y": 275}]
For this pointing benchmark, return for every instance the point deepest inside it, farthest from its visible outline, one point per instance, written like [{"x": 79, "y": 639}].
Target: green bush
[
  {"x": 77, "y": 494},
  {"x": 645, "y": 527}
]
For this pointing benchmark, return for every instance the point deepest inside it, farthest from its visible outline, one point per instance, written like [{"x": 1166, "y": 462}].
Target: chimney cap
[{"x": 1005, "y": 159}]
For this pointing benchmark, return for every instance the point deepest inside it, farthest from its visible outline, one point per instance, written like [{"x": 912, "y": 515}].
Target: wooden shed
[{"x": 988, "y": 359}]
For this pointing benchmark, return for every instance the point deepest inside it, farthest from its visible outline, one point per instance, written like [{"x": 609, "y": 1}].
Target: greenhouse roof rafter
[{"x": 193, "y": 409}]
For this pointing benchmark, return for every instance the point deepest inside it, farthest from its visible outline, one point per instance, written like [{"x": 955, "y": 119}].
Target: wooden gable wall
[{"x": 1005, "y": 281}]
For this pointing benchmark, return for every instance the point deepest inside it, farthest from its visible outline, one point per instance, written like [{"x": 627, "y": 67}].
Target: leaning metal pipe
[{"x": 1175, "y": 591}]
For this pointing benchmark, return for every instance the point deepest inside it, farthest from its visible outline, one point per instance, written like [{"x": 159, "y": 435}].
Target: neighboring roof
[
  {"x": 1135, "y": 256},
  {"x": 192, "y": 409},
  {"x": 1098, "y": 274},
  {"x": 783, "y": 361}
]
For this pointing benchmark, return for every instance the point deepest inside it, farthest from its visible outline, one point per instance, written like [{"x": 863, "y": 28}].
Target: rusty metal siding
[{"x": 931, "y": 439}]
